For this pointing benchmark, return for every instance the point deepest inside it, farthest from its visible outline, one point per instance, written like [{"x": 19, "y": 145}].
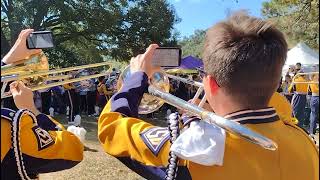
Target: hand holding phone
[
  {"x": 40, "y": 40},
  {"x": 19, "y": 51}
]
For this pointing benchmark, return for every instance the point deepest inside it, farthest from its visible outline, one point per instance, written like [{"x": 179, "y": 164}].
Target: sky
[{"x": 201, "y": 14}]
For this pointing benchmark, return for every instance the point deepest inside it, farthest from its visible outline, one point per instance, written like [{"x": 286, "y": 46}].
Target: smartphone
[
  {"x": 167, "y": 57},
  {"x": 40, "y": 40}
]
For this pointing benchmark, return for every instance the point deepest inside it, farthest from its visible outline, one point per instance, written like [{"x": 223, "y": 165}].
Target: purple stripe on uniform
[
  {"x": 127, "y": 100},
  {"x": 45, "y": 123}
]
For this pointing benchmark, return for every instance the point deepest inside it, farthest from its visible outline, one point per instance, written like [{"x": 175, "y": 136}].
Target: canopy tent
[
  {"x": 189, "y": 65},
  {"x": 191, "y": 62},
  {"x": 303, "y": 54}
]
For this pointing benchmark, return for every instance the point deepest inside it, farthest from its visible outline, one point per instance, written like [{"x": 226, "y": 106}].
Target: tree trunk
[{"x": 5, "y": 47}]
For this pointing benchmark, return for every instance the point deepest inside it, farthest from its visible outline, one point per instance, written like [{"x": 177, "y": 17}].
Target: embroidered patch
[
  {"x": 155, "y": 138},
  {"x": 43, "y": 137}
]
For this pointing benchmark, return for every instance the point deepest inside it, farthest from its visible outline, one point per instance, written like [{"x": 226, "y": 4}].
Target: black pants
[
  {"x": 83, "y": 103},
  {"x": 91, "y": 101},
  {"x": 76, "y": 103},
  {"x": 69, "y": 99},
  {"x": 46, "y": 101}
]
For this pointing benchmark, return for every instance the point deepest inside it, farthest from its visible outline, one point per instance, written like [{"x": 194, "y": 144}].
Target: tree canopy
[
  {"x": 298, "y": 19},
  {"x": 84, "y": 31},
  {"x": 193, "y": 45}
]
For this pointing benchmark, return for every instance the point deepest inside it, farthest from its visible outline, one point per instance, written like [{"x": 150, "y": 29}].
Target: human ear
[{"x": 212, "y": 83}]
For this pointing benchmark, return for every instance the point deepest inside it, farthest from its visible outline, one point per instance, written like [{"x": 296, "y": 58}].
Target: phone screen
[
  {"x": 167, "y": 57},
  {"x": 40, "y": 40}
]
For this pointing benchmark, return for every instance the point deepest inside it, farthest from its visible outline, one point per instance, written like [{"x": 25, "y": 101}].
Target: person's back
[
  {"x": 297, "y": 157},
  {"x": 243, "y": 58}
]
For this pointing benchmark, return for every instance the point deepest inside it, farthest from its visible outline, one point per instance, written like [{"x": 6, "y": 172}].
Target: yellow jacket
[
  {"x": 45, "y": 146},
  {"x": 299, "y": 88},
  {"x": 144, "y": 148},
  {"x": 102, "y": 90},
  {"x": 283, "y": 108},
  {"x": 69, "y": 86}
]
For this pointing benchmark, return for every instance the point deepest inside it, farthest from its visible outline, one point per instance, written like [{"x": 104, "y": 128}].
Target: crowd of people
[
  {"x": 302, "y": 91},
  {"x": 86, "y": 97}
]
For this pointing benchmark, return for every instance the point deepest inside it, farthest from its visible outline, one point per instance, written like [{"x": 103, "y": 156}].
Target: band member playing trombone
[
  {"x": 243, "y": 58},
  {"x": 299, "y": 98},
  {"x": 32, "y": 142}
]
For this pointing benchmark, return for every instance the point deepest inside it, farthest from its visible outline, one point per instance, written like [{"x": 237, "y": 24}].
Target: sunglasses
[{"x": 203, "y": 74}]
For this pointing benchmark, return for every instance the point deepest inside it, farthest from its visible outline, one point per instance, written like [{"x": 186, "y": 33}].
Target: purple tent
[{"x": 191, "y": 62}]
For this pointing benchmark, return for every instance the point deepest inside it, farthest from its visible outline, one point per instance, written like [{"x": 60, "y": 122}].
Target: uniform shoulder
[{"x": 301, "y": 132}]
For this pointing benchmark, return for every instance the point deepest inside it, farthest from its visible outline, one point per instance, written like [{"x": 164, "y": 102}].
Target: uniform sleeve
[
  {"x": 139, "y": 145},
  {"x": 45, "y": 145}
]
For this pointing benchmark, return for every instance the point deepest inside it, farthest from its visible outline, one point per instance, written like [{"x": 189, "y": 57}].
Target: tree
[
  {"x": 91, "y": 28},
  {"x": 298, "y": 19},
  {"x": 193, "y": 45}
]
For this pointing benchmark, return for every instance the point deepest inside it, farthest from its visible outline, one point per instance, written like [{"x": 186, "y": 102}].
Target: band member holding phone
[
  {"x": 17, "y": 55},
  {"x": 236, "y": 88},
  {"x": 32, "y": 142}
]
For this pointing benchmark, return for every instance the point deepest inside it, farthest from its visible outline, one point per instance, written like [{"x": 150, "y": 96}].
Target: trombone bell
[
  {"x": 149, "y": 103},
  {"x": 36, "y": 63}
]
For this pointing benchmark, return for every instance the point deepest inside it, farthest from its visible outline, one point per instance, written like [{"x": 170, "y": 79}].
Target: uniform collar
[{"x": 257, "y": 116}]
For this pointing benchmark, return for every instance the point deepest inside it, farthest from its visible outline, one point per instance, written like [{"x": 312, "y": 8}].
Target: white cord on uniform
[{"x": 172, "y": 168}]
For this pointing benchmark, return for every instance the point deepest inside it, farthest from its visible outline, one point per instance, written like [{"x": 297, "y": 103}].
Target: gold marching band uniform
[
  {"x": 31, "y": 145},
  {"x": 145, "y": 148}
]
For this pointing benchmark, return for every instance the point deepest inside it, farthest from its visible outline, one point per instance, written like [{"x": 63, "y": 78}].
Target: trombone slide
[{"x": 230, "y": 126}]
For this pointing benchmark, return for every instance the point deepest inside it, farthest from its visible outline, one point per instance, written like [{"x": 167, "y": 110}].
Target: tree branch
[{"x": 4, "y": 7}]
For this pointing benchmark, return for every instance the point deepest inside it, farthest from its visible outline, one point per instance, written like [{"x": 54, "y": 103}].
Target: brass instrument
[
  {"x": 36, "y": 75},
  {"x": 304, "y": 74},
  {"x": 158, "y": 94}
]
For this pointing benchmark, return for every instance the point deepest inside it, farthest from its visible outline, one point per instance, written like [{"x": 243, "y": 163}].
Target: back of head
[{"x": 245, "y": 55}]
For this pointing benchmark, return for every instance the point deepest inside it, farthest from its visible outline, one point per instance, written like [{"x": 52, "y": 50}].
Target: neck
[{"x": 227, "y": 105}]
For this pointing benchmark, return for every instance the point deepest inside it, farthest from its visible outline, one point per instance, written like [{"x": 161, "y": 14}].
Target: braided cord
[
  {"x": 15, "y": 134},
  {"x": 172, "y": 168}
]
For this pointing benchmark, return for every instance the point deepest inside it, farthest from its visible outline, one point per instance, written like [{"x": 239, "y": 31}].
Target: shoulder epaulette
[{"x": 7, "y": 113}]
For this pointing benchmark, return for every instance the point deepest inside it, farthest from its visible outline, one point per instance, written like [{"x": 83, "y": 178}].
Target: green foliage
[
  {"x": 193, "y": 45},
  {"x": 298, "y": 19},
  {"x": 86, "y": 30}
]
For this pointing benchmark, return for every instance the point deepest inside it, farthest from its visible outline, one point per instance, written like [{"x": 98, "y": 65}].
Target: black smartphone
[
  {"x": 167, "y": 57},
  {"x": 40, "y": 40}
]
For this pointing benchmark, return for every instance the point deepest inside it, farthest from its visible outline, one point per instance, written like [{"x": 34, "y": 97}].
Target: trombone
[
  {"x": 159, "y": 93},
  {"x": 36, "y": 72},
  {"x": 36, "y": 75},
  {"x": 305, "y": 82}
]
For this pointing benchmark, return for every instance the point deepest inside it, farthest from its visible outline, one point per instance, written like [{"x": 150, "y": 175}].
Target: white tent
[{"x": 303, "y": 54}]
